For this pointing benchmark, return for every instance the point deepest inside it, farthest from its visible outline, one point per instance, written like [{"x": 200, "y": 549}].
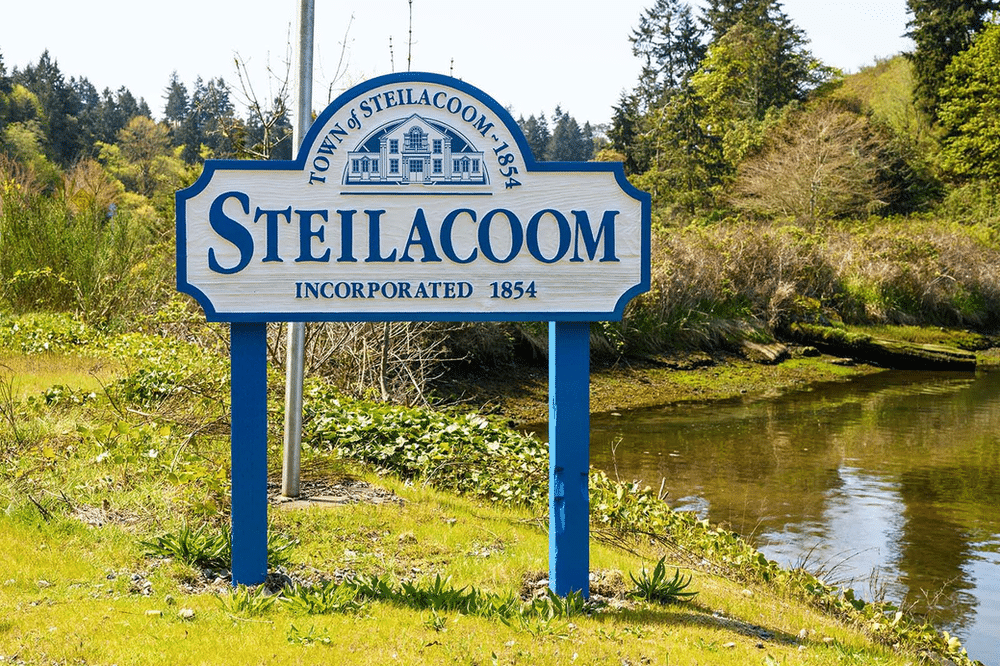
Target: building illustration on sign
[{"x": 415, "y": 151}]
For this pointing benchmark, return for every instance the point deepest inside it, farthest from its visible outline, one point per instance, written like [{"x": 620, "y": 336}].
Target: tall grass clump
[
  {"x": 99, "y": 262},
  {"x": 739, "y": 279}
]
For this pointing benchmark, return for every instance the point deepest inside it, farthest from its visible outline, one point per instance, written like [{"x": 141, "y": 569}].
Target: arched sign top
[
  {"x": 413, "y": 196},
  {"x": 474, "y": 116}
]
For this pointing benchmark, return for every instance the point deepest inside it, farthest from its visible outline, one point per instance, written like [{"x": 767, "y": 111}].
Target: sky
[{"x": 529, "y": 55}]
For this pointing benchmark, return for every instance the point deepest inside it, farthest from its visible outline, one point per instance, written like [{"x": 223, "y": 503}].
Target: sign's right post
[{"x": 569, "y": 457}]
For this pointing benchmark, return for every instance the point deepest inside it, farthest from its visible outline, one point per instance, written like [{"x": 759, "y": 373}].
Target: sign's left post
[{"x": 248, "y": 392}]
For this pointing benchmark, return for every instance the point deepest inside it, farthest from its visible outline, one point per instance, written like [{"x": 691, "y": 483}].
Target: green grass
[
  {"x": 32, "y": 374},
  {"x": 89, "y": 492},
  {"x": 924, "y": 335},
  {"x": 886, "y": 90},
  {"x": 61, "y": 605}
]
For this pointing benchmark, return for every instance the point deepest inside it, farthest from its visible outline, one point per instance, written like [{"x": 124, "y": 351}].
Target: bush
[{"x": 96, "y": 262}]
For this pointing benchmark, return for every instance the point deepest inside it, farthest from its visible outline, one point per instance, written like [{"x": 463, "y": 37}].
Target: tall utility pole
[{"x": 295, "y": 351}]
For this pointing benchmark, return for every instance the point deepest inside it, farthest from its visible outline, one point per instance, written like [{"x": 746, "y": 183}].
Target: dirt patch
[
  {"x": 607, "y": 588},
  {"x": 99, "y": 516},
  {"x": 332, "y": 493}
]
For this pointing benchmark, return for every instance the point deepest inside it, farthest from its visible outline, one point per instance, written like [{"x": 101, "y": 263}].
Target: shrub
[{"x": 96, "y": 262}]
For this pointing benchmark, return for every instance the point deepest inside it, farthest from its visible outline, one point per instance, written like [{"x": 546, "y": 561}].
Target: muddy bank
[{"x": 519, "y": 392}]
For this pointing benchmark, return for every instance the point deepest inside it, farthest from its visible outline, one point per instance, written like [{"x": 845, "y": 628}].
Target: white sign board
[{"x": 413, "y": 197}]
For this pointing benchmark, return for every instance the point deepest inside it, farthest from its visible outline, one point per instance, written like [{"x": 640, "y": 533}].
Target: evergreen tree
[
  {"x": 785, "y": 70},
  {"x": 210, "y": 122},
  {"x": 176, "y": 97},
  {"x": 721, "y": 15},
  {"x": 267, "y": 132},
  {"x": 283, "y": 149},
  {"x": 5, "y": 89},
  {"x": 5, "y": 84},
  {"x": 624, "y": 132},
  {"x": 941, "y": 29},
  {"x": 89, "y": 115},
  {"x": 669, "y": 42},
  {"x": 536, "y": 132},
  {"x": 567, "y": 143},
  {"x": 589, "y": 141},
  {"x": 684, "y": 160},
  {"x": 117, "y": 109},
  {"x": 60, "y": 106}
]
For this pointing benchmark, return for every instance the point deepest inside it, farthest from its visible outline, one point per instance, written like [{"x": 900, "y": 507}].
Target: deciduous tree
[{"x": 819, "y": 163}]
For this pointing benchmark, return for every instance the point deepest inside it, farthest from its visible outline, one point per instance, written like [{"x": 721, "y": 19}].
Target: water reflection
[{"x": 897, "y": 474}]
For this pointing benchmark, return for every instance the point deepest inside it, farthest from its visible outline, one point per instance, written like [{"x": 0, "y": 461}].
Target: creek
[{"x": 889, "y": 484}]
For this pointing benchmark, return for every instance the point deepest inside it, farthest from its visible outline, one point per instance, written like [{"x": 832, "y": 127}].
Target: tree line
[
  {"x": 732, "y": 111},
  {"x": 732, "y": 123},
  {"x": 49, "y": 121},
  {"x": 67, "y": 120}
]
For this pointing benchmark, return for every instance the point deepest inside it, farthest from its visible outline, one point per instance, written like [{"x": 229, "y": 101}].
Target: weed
[
  {"x": 498, "y": 606},
  {"x": 657, "y": 587},
  {"x": 201, "y": 546},
  {"x": 279, "y": 548},
  {"x": 374, "y": 588},
  {"x": 538, "y": 626},
  {"x": 9, "y": 416},
  {"x": 435, "y": 621},
  {"x": 461, "y": 452},
  {"x": 321, "y": 599},
  {"x": 244, "y": 601},
  {"x": 440, "y": 595},
  {"x": 553, "y": 606},
  {"x": 313, "y": 636},
  {"x": 211, "y": 548}
]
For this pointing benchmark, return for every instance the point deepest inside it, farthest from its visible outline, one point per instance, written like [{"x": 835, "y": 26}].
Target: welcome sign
[{"x": 413, "y": 196}]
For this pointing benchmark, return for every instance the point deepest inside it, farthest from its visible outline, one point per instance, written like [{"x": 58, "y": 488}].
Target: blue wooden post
[
  {"x": 248, "y": 375},
  {"x": 569, "y": 457}
]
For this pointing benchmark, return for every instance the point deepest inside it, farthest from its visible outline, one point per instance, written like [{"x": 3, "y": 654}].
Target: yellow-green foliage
[{"x": 885, "y": 90}]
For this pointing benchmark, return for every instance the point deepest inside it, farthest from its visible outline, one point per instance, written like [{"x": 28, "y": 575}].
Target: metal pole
[{"x": 295, "y": 351}]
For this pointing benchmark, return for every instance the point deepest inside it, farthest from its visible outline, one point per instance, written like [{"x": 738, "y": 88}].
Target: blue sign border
[{"x": 212, "y": 166}]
